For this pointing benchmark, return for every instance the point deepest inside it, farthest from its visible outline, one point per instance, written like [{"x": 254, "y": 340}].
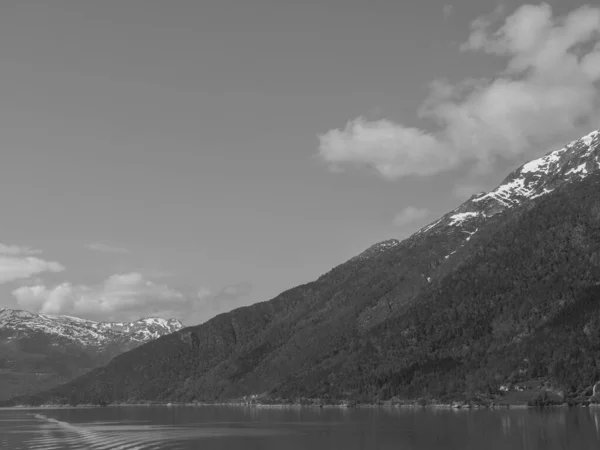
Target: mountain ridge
[
  {"x": 472, "y": 294},
  {"x": 531, "y": 180},
  {"x": 89, "y": 332},
  {"x": 40, "y": 350}
]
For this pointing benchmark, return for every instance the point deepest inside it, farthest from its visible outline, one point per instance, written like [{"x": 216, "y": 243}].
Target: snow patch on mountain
[
  {"x": 87, "y": 332},
  {"x": 580, "y": 169},
  {"x": 470, "y": 234},
  {"x": 587, "y": 140},
  {"x": 531, "y": 181},
  {"x": 377, "y": 249},
  {"x": 543, "y": 164},
  {"x": 457, "y": 219}
]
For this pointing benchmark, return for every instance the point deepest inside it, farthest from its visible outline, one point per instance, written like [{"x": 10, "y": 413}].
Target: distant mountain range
[
  {"x": 504, "y": 289},
  {"x": 38, "y": 350}
]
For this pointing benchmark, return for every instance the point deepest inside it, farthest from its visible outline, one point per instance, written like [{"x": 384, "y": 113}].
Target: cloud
[
  {"x": 121, "y": 297},
  {"x": 394, "y": 151},
  {"x": 447, "y": 10},
  {"x": 12, "y": 268},
  {"x": 226, "y": 299},
  {"x": 17, "y": 250},
  {"x": 410, "y": 215},
  {"x": 203, "y": 293},
  {"x": 548, "y": 88},
  {"x": 104, "y": 248},
  {"x": 234, "y": 291},
  {"x": 128, "y": 297},
  {"x": 16, "y": 263}
]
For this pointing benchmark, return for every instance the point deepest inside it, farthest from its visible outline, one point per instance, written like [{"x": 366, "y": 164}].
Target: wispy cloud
[
  {"x": 548, "y": 88},
  {"x": 203, "y": 293},
  {"x": 447, "y": 10},
  {"x": 16, "y": 263},
  {"x": 17, "y": 250},
  {"x": 235, "y": 291},
  {"x": 225, "y": 299},
  {"x": 410, "y": 215},
  {"x": 104, "y": 248}
]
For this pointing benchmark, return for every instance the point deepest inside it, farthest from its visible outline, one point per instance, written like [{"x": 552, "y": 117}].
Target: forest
[{"x": 518, "y": 301}]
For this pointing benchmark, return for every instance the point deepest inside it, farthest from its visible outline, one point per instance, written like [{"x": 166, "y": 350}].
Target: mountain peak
[
  {"x": 533, "y": 179},
  {"x": 87, "y": 332},
  {"x": 6, "y": 313},
  {"x": 159, "y": 321},
  {"x": 542, "y": 175},
  {"x": 145, "y": 329},
  {"x": 378, "y": 248}
]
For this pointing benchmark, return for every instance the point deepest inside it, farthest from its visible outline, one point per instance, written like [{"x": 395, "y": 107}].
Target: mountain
[
  {"x": 532, "y": 180},
  {"x": 503, "y": 289},
  {"x": 38, "y": 350}
]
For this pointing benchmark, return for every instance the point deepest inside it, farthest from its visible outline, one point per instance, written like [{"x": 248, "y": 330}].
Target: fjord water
[{"x": 233, "y": 428}]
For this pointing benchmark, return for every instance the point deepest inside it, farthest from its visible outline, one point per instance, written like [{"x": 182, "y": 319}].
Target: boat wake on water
[{"x": 54, "y": 434}]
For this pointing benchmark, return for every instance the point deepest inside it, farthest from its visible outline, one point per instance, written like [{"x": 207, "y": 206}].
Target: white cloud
[
  {"x": 548, "y": 88},
  {"x": 394, "y": 151},
  {"x": 120, "y": 297},
  {"x": 104, "y": 248},
  {"x": 17, "y": 264},
  {"x": 410, "y": 215},
  {"x": 129, "y": 296},
  {"x": 17, "y": 268}
]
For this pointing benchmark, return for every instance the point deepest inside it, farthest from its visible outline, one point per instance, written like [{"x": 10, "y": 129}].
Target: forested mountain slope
[
  {"x": 524, "y": 304},
  {"x": 503, "y": 288}
]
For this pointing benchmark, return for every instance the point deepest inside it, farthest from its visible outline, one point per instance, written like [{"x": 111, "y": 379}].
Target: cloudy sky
[{"x": 183, "y": 158}]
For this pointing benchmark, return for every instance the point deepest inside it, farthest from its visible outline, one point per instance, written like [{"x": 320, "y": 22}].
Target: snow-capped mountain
[
  {"x": 437, "y": 248},
  {"x": 41, "y": 351},
  {"x": 497, "y": 287},
  {"x": 86, "y": 332},
  {"x": 532, "y": 180},
  {"x": 377, "y": 249},
  {"x": 143, "y": 330}
]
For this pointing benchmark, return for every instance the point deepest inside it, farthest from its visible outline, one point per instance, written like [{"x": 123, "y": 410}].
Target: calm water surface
[{"x": 237, "y": 428}]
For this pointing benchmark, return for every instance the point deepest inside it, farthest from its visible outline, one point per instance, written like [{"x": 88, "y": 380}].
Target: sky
[{"x": 184, "y": 158}]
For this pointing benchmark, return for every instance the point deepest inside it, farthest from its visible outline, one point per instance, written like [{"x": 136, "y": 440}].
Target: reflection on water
[
  {"x": 506, "y": 425},
  {"x": 211, "y": 428}
]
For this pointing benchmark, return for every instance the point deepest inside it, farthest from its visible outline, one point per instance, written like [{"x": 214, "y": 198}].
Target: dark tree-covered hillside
[
  {"x": 524, "y": 304},
  {"x": 435, "y": 316}
]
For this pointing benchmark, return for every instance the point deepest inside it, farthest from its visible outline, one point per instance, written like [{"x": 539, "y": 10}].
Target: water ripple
[{"x": 53, "y": 434}]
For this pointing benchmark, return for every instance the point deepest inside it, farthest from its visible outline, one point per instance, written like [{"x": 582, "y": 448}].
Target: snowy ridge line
[
  {"x": 84, "y": 331},
  {"x": 532, "y": 180}
]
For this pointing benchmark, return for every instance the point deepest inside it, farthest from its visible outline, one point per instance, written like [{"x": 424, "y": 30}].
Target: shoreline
[{"x": 386, "y": 406}]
